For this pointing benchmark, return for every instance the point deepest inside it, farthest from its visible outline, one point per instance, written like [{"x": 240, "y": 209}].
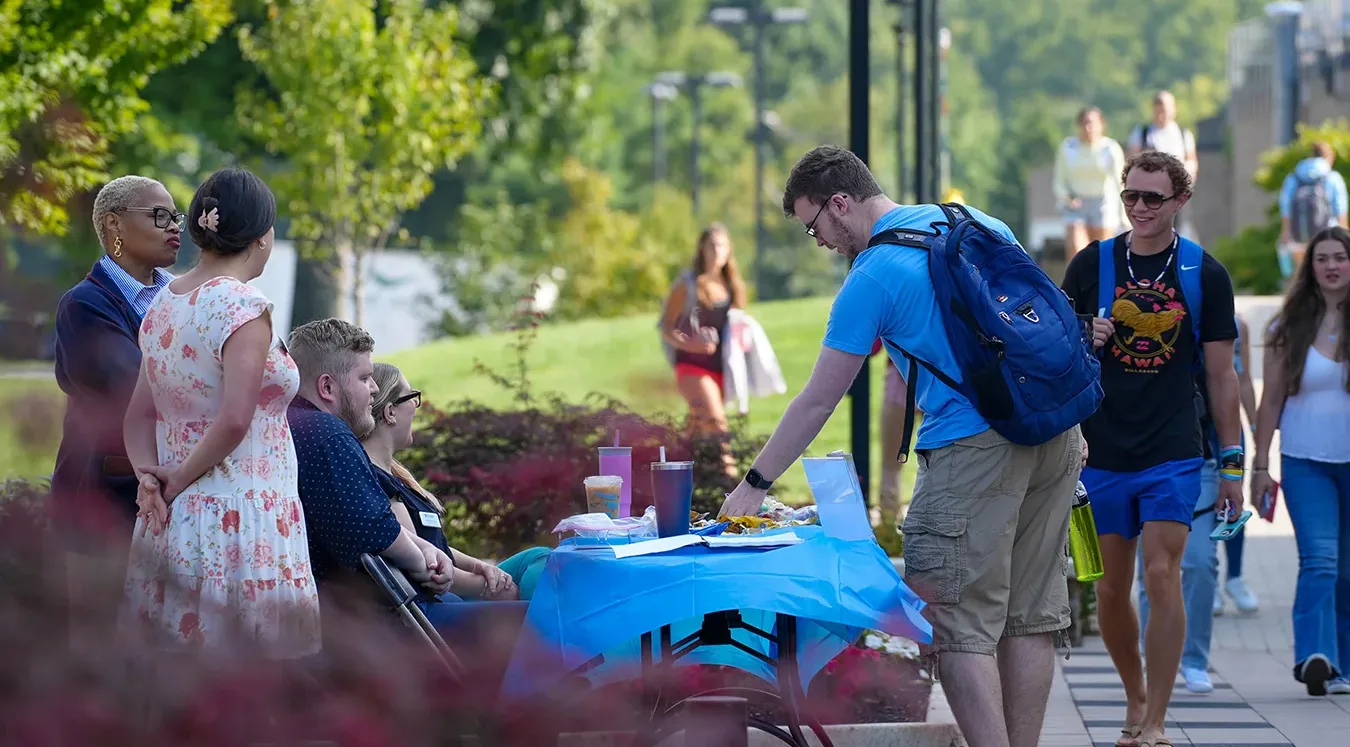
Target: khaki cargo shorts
[{"x": 986, "y": 538}]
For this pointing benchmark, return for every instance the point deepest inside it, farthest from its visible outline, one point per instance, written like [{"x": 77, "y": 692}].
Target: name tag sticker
[{"x": 429, "y": 519}]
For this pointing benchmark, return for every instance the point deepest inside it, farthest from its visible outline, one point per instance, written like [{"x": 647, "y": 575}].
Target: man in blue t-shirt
[{"x": 987, "y": 526}]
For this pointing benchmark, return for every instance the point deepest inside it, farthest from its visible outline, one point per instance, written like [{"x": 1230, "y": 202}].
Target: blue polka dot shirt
[{"x": 346, "y": 511}]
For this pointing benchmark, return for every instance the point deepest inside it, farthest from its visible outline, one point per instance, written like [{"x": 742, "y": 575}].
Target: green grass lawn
[
  {"x": 617, "y": 357},
  {"x": 622, "y": 358},
  {"x": 30, "y": 427}
]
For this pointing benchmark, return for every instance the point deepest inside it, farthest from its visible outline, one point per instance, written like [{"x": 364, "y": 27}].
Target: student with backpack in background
[
  {"x": 1004, "y": 374},
  {"x": 1162, "y": 306},
  {"x": 1165, "y": 134},
  {"x": 1312, "y": 198}
]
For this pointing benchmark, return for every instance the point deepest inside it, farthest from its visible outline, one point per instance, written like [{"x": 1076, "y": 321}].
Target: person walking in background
[
  {"x": 1312, "y": 197},
  {"x": 1087, "y": 183},
  {"x": 97, "y": 361},
  {"x": 220, "y": 554},
  {"x": 986, "y": 529},
  {"x": 693, "y": 324},
  {"x": 1307, "y": 395},
  {"x": 1236, "y": 588},
  {"x": 1148, "y": 449},
  {"x": 1165, "y": 134}
]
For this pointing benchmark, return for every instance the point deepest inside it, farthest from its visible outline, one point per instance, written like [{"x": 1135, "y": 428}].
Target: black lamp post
[
  {"x": 693, "y": 83},
  {"x": 759, "y": 19}
]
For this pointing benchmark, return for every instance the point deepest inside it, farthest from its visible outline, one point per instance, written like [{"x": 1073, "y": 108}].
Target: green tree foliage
[
  {"x": 1250, "y": 255},
  {"x": 365, "y": 103},
  {"x": 71, "y": 76},
  {"x": 1042, "y": 60}
]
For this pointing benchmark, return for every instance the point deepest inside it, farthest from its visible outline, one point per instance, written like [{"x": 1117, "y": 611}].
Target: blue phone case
[{"x": 1227, "y": 529}]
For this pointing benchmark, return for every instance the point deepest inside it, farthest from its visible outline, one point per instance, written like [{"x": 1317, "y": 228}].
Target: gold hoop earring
[{"x": 117, "y": 247}]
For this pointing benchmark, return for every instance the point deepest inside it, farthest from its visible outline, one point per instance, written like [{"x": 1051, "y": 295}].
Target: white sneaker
[
  {"x": 1242, "y": 596},
  {"x": 1218, "y": 603},
  {"x": 1338, "y": 686},
  {"x": 1197, "y": 681}
]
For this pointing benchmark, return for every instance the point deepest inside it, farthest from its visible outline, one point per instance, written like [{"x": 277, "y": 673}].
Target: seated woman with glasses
[{"x": 421, "y": 512}]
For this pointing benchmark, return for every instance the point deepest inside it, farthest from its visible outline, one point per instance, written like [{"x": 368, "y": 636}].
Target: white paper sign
[{"x": 839, "y": 499}]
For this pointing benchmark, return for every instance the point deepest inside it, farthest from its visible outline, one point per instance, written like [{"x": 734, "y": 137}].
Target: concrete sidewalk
[{"x": 1256, "y": 700}]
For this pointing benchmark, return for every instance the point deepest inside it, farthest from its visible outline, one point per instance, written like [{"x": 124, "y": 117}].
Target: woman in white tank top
[{"x": 1307, "y": 392}]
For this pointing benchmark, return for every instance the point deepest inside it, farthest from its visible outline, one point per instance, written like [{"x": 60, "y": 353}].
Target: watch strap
[{"x": 756, "y": 480}]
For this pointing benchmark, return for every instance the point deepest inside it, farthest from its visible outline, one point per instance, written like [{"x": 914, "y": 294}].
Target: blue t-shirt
[
  {"x": 347, "y": 513},
  {"x": 889, "y": 294}
]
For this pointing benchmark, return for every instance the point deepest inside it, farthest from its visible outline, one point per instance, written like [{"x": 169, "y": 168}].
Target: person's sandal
[
  {"x": 1158, "y": 741},
  {"x": 1129, "y": 735}
]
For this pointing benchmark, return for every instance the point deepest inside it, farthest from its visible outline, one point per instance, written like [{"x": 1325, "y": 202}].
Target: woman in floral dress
[{"x": 220, "y": 557}]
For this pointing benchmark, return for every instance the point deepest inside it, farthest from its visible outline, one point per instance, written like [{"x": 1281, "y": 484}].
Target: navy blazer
[{"x": 98, "y": 360}]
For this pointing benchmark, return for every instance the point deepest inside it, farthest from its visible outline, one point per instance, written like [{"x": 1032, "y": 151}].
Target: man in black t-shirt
[{"x": 1146, "y": 448}]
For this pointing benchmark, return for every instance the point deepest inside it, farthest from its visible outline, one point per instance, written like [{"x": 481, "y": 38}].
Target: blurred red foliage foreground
[{"x": 70, "y": 679}]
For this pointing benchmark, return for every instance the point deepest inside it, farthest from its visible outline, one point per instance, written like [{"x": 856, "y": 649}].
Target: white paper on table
[
  {"x": 651, "y": 547},
  {"x": 783, "y": 539}
]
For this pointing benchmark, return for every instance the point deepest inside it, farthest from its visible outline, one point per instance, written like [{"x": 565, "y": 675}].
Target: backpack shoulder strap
[
  {"x": 690, "y": 292},
  {"x": 900, "y": 236},
  {"x": 955, "y": 212},
  {"x": 1106, "y": 277},
  {"x": 1189, "y": 259}
]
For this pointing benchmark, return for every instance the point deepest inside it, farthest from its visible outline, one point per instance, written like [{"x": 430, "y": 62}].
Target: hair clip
[{"x": 210, "y": 220}]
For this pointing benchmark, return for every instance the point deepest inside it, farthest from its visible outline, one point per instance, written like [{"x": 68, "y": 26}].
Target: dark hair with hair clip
[{"x": 245, "y": 211}]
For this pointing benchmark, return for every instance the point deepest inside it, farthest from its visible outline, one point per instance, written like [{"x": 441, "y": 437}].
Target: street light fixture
[
  {"x": 758, "y": 18},
  {"x": 903, "y": 25},
  {"x": 693, "y": 83},
  {"x": 660, "y": 93}
]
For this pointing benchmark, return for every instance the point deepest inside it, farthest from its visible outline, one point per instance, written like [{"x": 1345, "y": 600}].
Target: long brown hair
[
  {"x": 387, "y": 377},
  {"x": 1294, "y": 328},
  {"x": 731, "y": 275}
]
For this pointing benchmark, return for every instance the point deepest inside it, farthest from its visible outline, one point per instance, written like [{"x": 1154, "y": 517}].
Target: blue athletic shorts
[{"x": 1123, "y": 501}]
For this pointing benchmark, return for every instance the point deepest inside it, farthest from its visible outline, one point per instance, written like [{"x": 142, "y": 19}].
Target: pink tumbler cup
[{"x": 618, "y": 460}]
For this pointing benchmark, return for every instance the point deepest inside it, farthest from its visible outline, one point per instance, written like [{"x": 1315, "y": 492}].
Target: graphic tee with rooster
[{"x": 1153, "y": 410}]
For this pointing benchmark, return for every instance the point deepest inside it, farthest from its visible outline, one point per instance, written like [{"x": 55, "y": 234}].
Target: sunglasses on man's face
[
  {"x": 1152, "y": 200},
  {"x": 414, "y": 395}
]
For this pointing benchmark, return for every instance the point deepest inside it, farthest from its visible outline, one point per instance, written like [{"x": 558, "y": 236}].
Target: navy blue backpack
[{"x": 1026, "y": 361}]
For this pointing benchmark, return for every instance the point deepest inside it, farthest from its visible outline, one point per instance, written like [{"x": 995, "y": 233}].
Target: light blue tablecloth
[{"x": 588, "y": 602}]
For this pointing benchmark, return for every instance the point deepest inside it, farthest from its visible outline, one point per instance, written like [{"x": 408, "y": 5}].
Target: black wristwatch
[{"x": 755, "y": 480}]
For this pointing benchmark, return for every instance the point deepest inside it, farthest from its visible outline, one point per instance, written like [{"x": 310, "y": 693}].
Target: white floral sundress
[{"x": 232, "y": 567}]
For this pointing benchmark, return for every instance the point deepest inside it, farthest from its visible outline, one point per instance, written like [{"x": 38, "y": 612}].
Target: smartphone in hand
[
  {"x": 1228, "y": 525},
  {"x": 1265, "y": 507}
]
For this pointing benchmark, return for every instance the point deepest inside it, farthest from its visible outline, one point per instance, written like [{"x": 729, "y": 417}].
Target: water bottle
[{"x": 1084, "y": 546}]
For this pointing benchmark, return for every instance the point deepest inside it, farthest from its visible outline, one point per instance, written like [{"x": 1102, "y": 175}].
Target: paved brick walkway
[{"x": 1256, "y": 700}]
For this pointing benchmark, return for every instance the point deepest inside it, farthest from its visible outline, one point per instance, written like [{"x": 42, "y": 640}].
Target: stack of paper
[{"x": 666, "y": 544}]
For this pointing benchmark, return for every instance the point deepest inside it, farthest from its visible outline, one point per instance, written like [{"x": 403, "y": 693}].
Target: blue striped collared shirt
[{"x": 136, "y": 294}]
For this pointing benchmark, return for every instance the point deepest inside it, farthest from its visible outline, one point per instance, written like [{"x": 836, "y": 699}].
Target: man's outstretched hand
[{"x": 743, "y": 501}]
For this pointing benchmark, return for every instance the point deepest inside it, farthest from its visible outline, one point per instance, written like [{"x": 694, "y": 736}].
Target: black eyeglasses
[
  {"x": 811, "y": 227},
  {"x": 162, "y": 215},
  {"x": 1152, "y": 200},
  {"x": 414, "y": 395}
]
